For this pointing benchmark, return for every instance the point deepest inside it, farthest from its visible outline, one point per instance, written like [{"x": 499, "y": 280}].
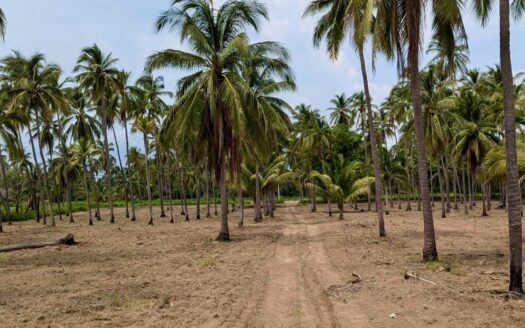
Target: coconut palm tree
[
  {"x": 147, "y": 126},
  {"x": 209, "y": 98},
  {"x": 97, "y": 77},
  {"x": 80, "y": 154},
  {"x": 339, "y": 19},
  {"x": 398, "y": 34},
  {"x": 33, "y": 89},
  {"x": 482, "y": 10},
  {"x": 341, "y": 112}
]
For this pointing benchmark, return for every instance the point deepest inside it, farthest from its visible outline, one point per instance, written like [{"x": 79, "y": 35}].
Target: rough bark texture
[
  {"x": 513, "y": 186},
  {"x": 224, "y": 234},
  {"x": 414, "y": 23},
  {"x": 373, "y": 146},
  {"x": 69, "y": 239}
]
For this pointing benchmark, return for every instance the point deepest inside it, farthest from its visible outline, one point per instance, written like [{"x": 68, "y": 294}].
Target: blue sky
[{"x": 61, "y": 28}]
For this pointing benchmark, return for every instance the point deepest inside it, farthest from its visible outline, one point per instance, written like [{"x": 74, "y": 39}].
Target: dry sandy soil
[{"x": 295, "y": 270}]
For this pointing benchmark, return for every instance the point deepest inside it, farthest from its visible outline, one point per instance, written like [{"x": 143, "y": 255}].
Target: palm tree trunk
[
  {"x": 198, "y": 191},
  {"x": 224, "y": 234},
  {"x": 513, "y": 186},
  {"x": 170, "y": 190},
  {"x": 6, "y": 188},
  {"x": 469, "y": 179},
  {"x": 455, "y": 173},
  {"x": 148, "y": 182},
  {"x": 208, "y": 215},
  {"x": 464, "y": 191},
  {"x": 38, "y": 180},
  {"x": 489, "y": 197},
  {"x": 129, "y": 184},
  {"x": 439, "y": 171},
  {"x": 108, "y": 177},
  {"x": 86, "y": 190},
  {"x": 126, "y": 191},
  {"x": 55, "y": 188},
  {"x": 373, "y": 147},
  {"x": 44, "y": 166},
  {"x": 95, "y": 188},
  {"x": 414, "y": 23},
  {"x": 447, "y": 182},
  {"x": 484, "y": 200},
  {"x": 340, "y": 206},
  {"x": 241, "y": 197},
  {"x": 258, "y": 214},
  {"x": 181, "y": 186},
  {"x": 160, "y": 184},
  {"x": 214, "y": 199}
]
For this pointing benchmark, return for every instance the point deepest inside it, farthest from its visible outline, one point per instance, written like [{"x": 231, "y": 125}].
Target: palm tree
[
  {"x": 341, "y": 112},
  {"x": 98, "y": 77},
  {"x": 33, "y": 86},
  {"x": 9, "y": 137},
  {"x": 339, "y": 17},
  {"x": 147, "y": 126},
  {"x": 482, "y": 9},
  {"x": 209, "y": 98},
  {"x": 398, "y": 32},
  {"x": 149, "y": 92},
  {"x": 81, "y": 153}
]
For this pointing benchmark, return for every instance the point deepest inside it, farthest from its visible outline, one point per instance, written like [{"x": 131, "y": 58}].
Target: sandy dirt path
[{"x": 300, "y": 286}]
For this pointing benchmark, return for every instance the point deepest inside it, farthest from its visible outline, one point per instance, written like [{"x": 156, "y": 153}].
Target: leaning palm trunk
[
  {"x": 108, "y": 166},
  {"x": 129, "y": 184},
  {"x": 86, "y": 190},
  {"x": 148, "y": 182},
  {"x": 414, "y": 24},
  {"x": 513, "y": 186},
  {"x": 6, "y": 188},
  {"x": 44, "y": 166},
  {"x": 373, "y": 146},
  {"x": 258, "y": 213}
]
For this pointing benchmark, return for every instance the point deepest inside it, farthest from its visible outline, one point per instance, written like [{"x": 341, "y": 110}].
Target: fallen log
[{"x": 67, "y": 240}]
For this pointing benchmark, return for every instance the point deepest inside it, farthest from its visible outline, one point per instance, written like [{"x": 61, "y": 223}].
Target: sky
[{"x": 61, "y": 28}]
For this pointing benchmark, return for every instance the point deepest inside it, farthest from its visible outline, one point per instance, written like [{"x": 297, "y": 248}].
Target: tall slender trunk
[
  {"x": 44, "y": 166},
  {"x": 129, "y": 184},
  {"x": 109, "y": 183},
  {"x": 489, "y": 197},
  {"x": 455, "y": 172},
  {"x": 95, "y": 187},
  {"x": 465, "y": 205},
  {"x": 224, "y": 234},
  {"x": 198, "y": 192},
  {"x": 241, "y": 197},
  {"x": 54, "y": 186},
  {"x": 414, "y": 23},
  {"x": 126, "y": 191},
  {"x": 440, "y": 174},
  {"x": 160, "y": 184},
  {"x": 208, "y": 215},
  {"x": 148, "y": 181},
  {"x": 484, "y": 200},
  {"x": 258, "y": 213},
  {"x": 86, "y": 190},
  {"x": 214, "y": 200},
  {"x": 447, "y": 181},
  {"x": 39, "y": 177},
  {"x": 513, "y": 186},
  {"x": 181, "y": 186},
  {"x": 431, "y": 186},
  {"x": 6, "y": 188},
  {"x": 170, "y": 190},
  {"x": 373, "y": 146},
  {"x": 469, "y": 179}
]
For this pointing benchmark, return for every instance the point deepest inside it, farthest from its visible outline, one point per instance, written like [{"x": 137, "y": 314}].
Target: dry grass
[{"x": 176, "y": 275}]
